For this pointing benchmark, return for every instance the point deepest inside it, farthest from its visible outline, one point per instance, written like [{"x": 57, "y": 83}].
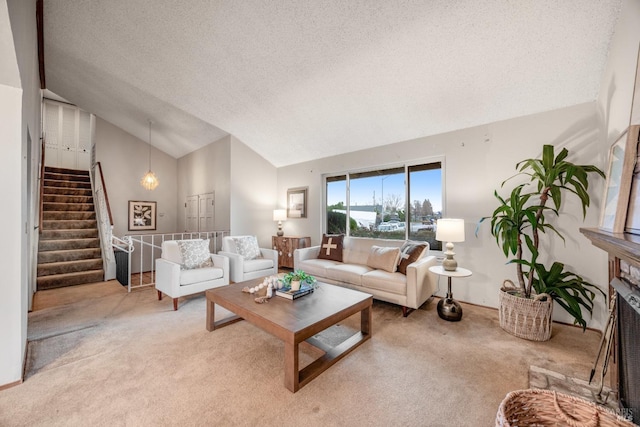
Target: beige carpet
[{"x": 123, "y": 359}]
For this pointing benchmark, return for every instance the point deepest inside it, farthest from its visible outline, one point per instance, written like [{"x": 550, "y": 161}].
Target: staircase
[{"x": 69, "y": 249}]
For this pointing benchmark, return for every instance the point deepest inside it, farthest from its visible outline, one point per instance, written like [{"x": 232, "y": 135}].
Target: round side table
[{"x": 448, "y": 308}]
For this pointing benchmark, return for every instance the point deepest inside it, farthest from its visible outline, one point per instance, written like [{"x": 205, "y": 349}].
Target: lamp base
[
  {"x": 449, "y": 309},
  {"x": 280, "y": 233},
  {"x": 449, "y": 264}
]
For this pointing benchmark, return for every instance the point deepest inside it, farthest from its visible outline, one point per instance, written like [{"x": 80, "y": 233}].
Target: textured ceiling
[{"x": 303, "y": 79}]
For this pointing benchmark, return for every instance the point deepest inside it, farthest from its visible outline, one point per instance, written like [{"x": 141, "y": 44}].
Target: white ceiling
[{"x": 303, "y": 79}]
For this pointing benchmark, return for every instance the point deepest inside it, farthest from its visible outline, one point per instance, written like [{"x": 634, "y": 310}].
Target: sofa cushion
[
  {"x": 395, "y": 283},
  {"x": 247, "y": 246},
  {"x": 316, "y": 267},
  {"x": 384, "y": 258},
  {"x": 331, "y": 247},
  {"x": 189, "y": 277},
  {"x": 257, "y": 265},
  {"x": 347, "y": 273},
  {"x": 410, "y": 252},
  {"x": 195, "y": 254}
]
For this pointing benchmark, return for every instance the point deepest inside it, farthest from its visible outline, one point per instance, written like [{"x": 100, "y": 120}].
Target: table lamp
[
  {"x": 450, "y": 230},
  {"x": 280, "y": 215}
]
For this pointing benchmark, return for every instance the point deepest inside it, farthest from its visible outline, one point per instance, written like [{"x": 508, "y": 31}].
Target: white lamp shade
[
  {"x": 279, "y": 214},
  {"x": 450, "y": 230}
]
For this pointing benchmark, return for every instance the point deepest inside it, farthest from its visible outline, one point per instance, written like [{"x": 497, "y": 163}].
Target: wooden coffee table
[{"x": 296, "y": 322}]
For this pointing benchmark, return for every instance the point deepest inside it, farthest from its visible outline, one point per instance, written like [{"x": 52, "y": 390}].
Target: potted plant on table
[
  {"x": 518, "y": 223},
  {"x": 296, "y": 278}
]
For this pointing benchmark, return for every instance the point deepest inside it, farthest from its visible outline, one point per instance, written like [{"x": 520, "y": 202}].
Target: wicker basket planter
[
  {"x": 548, "y": 408},
  {"x": 528, "y": 318}
]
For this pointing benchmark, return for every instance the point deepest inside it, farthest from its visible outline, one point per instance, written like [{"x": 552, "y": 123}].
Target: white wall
[
  {"x": 477, "y": 160},
  {"x": 616, "y": 89},
  {"x": 124, "y": 160},
  {"x": 20, "y": 97},
  {"x": 12, "y": 306},
  {"x": 203, "y": 171},
  {"x": 253, "y": 190}
]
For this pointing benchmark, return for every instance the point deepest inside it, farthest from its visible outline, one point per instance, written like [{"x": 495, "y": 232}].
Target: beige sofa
[{"x": 409, "y": 291}]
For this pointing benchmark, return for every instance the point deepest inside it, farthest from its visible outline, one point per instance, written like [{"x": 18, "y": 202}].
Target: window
[{"x": 395, "y": 203}]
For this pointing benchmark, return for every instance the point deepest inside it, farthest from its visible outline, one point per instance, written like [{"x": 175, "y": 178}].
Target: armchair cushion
[
  {"x": 257, "y": 264},
  {"x": 247, "y": 246},
  {"x": 195, "y": 254},
  {"x": 197, "y": 275}
]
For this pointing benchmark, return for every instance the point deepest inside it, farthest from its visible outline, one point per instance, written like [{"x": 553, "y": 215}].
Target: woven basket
[
  {"x": 547, "y": 408},
  {"x": 528, "y": 318}
]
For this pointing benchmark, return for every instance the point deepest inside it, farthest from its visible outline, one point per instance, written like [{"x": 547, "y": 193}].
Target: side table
[{"x": 448, "y": 308}]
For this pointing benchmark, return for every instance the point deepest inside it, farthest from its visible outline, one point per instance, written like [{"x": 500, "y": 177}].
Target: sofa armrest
[
  {"x": 421, "y": 283},
  {"x": 271, "y": 254},
  {"x": 222, "y": 261},
  {"x": 236, "y": 265},
  {"x": 168, "y": 277},
  {"x": 305, "y": 254}
]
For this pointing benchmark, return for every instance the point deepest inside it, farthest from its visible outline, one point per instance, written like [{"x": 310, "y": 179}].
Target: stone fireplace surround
[{"x": 624, "y": 278}]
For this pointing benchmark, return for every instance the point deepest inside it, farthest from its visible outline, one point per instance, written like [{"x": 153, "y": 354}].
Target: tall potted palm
[{"x": 518, "y": 223}]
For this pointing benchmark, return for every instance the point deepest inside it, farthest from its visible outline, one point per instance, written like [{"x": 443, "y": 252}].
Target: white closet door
[
  {"x": 191, "y": 214},
  {"x": 67, "y": 145},
  {"x": 51, "y": 127},
  {"x": 206, "y": 212},
  {"x": 68, "y": 136}
]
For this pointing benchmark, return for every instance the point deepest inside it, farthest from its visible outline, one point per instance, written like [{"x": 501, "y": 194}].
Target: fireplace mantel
[{"x": 624, "y": 246}]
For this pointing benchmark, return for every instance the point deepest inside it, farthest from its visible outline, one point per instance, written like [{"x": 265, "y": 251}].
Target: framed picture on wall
[
  {"x": 622, "y": 159},
  {"x": 142, "y": 215},
  {"x": 297, "y": 202}
]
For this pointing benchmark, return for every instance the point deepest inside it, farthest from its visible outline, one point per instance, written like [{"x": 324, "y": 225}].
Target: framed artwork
[
  {"x": 297, "y": 202},
  {"x": 142, "y": 215},
  {"x": 622, "y": 160}
]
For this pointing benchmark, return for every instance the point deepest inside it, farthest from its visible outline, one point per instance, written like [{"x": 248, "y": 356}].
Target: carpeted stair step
[
  {"x": 67, "y": 215},
  {"x": 81, "y": 233},
  {"x": 67, "y": 176},
  {"x": 61, "y": 245},
  {"x": 63, "y": 198},
  {"x": 68, "y": 255},
  {"x": 68, "y": 191},
  {"x": 63, "y": 224},
  {"x": 51, "y": 268},
  {"x": 53, "y": 169},
  {"x": 69, "y": 279},
  {"x": 67, "y": 207},
  {"x": 66, "y": 184}
]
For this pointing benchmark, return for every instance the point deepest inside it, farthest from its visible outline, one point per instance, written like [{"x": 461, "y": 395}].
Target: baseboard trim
[{"x": 9, "y": 385}]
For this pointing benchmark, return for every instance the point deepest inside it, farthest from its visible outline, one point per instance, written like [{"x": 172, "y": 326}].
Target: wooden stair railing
[{"x": 106, "y": 195}]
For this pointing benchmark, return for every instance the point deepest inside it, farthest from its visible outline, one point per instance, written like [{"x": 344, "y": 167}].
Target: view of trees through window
[{"x": 396, "y": 203}]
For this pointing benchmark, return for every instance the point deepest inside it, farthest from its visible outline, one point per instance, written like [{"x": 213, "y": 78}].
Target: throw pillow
[
  {"x": 383, "y": 258},
  {"x": 195, "y": 254},
  {"x": 247, "y": 246},
  {"x": 331, "y": 247},
  {"x": 410, "y": 252}
]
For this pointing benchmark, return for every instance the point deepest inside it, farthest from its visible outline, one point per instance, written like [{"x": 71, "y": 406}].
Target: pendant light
[{"x": 149, "y": 180}]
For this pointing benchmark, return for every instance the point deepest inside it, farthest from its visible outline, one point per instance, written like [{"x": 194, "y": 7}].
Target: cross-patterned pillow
[
  {"x": 331, "y": 247},
  {"x": 410, "y": 252}
]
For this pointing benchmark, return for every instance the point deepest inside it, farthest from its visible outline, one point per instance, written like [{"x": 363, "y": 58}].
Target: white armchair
[
  {"x": 174, "y": 280},
  {"x": 246, "y": 260}
]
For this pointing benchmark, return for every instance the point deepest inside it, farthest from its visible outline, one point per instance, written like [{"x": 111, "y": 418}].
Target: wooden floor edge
[{"x": 10, "y": 385}]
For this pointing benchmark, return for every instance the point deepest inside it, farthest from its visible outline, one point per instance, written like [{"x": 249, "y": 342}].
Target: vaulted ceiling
[{"x": 303, "y": 79}]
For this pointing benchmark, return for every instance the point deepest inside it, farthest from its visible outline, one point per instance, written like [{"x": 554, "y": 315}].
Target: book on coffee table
[{"x": 286, "y": 292}]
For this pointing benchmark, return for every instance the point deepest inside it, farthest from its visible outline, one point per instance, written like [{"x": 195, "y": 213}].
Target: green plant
[
  {"x": 519, "y": 220},
  {"x": 299, "y": 275}
]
